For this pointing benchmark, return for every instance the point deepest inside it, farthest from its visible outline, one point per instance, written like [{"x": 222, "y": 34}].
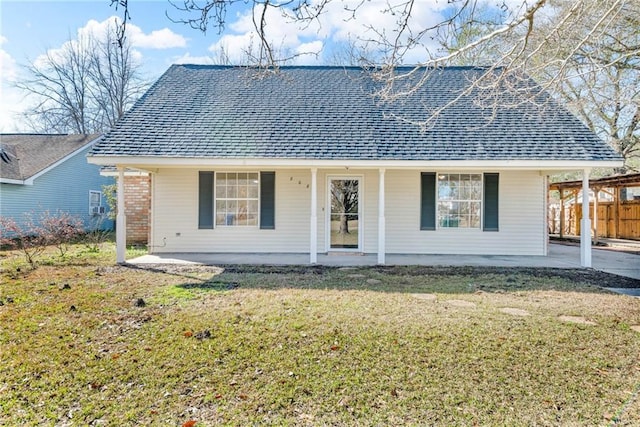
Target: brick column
[{"x": 137, "y": 207}]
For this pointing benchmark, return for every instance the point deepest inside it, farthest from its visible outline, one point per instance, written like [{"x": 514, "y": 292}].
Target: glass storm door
[{"x": 344, "y": 219}]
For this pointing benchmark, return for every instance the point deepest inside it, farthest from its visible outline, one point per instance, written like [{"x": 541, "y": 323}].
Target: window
[
  {"x": 459, "y": 200},
  {"x": 95, "y": 203},
  {"x": 237, "y": 196}
]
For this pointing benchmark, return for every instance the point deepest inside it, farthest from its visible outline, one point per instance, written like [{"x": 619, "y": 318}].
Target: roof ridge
[{"x": 334, "y": 67}]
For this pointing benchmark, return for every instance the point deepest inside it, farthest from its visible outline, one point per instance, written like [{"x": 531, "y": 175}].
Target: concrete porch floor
[{"x": 560, "y": 256}]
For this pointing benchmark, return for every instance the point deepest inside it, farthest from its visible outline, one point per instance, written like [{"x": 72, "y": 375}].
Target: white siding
[
  {"x": 521, "y": 210},
  {"x": 175, "y": 211}
]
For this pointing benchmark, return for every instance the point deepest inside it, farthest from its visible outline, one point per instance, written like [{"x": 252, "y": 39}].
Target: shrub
[
  {"x": 25, "y": 238},
  {"x": 110, "y": 193},
  {"x": 96, "y": 235},
  {"x": 33, "y": 236},
  {"x": 61, "y": 229}
]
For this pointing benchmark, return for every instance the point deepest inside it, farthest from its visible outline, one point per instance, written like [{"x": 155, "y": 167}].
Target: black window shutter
[
  {"x": 205, "y": 200},
  {"x": 428, "y": 201},
  {"x": 491, "y": 202},
  {"x": 267, "y": 200}
]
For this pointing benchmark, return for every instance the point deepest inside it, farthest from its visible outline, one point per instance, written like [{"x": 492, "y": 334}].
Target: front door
[{"x": 344, "y": 214}]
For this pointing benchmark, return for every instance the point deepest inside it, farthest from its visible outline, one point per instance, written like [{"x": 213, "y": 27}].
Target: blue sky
[{"x": 30, "y": 28}]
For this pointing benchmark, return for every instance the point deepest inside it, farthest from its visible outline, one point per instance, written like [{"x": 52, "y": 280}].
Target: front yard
[{"x": 85, "y": 342}]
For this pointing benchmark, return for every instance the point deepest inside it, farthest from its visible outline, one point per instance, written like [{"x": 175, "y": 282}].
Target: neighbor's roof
[
  {"x": 30, "y": 154},
  {"x": 328, "y": 113}
]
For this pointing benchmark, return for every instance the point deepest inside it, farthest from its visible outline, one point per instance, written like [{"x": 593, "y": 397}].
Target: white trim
[
  {"x": 313, "y": 220},
  {"x": 215, "y": 201},
  {"x": 29, "y": 181},
  {"x": 360, "y": 179},
  {"x": 481, "y": 225},
  {"x": 585, "y": 224},
  {"x": 152, "y": 210},
  {"x": 149, "y": 163},
  {"x": 99, "y": 193},
  {"x": 381, "y": 218},
  {"x": 126, "y": 173},
  {"x": 14, "y": 181},
  {"x": 121, "y": 221}
]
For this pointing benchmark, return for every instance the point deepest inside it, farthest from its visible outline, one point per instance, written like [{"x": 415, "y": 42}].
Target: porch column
[
  {"x": 381, "y": 220},
  {"x": 313, "y": 225},
  {"x": 585, "y": 224},
  {"x": 121, "y": 221}
]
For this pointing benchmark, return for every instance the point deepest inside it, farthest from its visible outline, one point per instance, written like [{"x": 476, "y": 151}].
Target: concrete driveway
[{"x": 560, "y": 256}]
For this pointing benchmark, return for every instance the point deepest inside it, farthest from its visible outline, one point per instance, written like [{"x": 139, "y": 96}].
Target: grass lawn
[{"x": 84, "y": 342}]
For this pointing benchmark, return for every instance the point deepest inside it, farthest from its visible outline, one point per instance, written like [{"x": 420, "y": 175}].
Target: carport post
[
  {"x": 121, "y": 221},
  {"x": 585, "y": 224}
]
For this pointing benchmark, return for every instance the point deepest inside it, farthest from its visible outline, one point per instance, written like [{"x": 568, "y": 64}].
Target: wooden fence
[{"x": 625, "y": 225}]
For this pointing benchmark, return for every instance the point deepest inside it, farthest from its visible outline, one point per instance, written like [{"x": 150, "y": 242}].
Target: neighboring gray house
[
  {"x": 307, "y": 160},
  {"x": 50, "y": 172}
]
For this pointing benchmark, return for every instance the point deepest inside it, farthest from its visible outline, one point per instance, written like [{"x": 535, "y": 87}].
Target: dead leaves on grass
[{"x": 202, "y": 335}]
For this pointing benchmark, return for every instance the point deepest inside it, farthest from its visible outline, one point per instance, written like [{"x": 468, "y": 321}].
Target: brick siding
[{"x": 137, "y": 202}]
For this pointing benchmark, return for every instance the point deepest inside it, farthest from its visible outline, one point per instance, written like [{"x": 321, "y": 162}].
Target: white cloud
[
  {"x": 8, "y": 67},
  {"x": 337, "y": 24},
  {"x": 158, "y": 39},
  {"x": 11, "y": 99},
  {"x": 287, "y": 38},
  {"x": 346, "y": 21},
  {"x": 188, "y": 59},
  {"x": 234, "y": 49},
  {"x": 309, "y": 53}
]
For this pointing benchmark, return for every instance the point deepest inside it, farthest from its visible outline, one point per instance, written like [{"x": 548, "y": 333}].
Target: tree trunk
[{"x": 344, "y": 224}]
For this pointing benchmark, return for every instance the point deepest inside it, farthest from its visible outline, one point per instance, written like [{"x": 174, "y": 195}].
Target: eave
[
  {"x": 16, "y": 181},
  {"x": 150, "y": 163}
]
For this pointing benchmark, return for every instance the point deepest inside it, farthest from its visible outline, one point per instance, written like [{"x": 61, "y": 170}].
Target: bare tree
[
  {"x": 83, "y": 87},
  {"x": 115, "y": 81},
  {"x": 586, "y": 64},
  {"x": 252, "y": 55},
  {"x": 60, "y": 80},
  {"x": 603, "y": 84},
  {"x": 585, "y": 51}
]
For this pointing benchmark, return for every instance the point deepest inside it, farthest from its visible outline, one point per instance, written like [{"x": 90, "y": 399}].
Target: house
[
  {"x": 51, "y": 173},
  {"x": 309, "y": 160}
]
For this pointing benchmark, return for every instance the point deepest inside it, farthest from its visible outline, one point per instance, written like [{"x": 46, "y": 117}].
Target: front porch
[
  {"x": 396, "y": 214},
  {"x": 560, "y": 256}
]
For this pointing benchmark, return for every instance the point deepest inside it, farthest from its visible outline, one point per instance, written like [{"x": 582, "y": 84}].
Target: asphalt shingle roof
[
  {"x": 32, "y": 153},
  {"x": 197, "y": 111}
]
